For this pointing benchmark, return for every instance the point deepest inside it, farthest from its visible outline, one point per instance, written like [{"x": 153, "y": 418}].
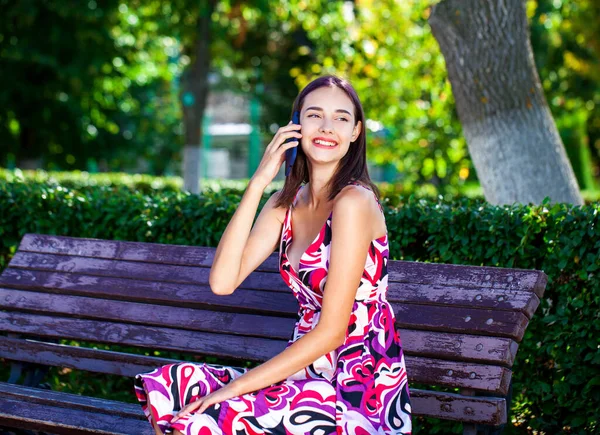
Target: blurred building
[{"x": 228, "y": 135}]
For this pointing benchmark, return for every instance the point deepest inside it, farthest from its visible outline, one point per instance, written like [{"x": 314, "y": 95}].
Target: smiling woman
[{"x": 343, "y": 370}]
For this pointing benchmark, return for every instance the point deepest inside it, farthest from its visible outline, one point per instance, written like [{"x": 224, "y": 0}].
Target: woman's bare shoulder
[
  {"x": 354, "y": 192},
  {"x": 352, "y": 199},
  {"x": 361, "y": 199}
]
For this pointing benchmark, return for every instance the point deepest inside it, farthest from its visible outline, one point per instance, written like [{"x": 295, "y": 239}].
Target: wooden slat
[
  {"x": 509, "y": 324},
  {"x": 458, "y": 374},
  {"x": 188, "y": 295},
  {"x": 78, "y": 358},
  {"x": 420, "y": 370},
  {"x": 487, "y": 298},
  {"x": 483, "y": 410},
  {"x": 430, "y": 317},
  {"x": 65, "y": 421},
  {"x": 459, "y": 347},
  {"x": 465, "y": 276},
  {"x": 135, "y": 312},
  {"x": 231, "y": 346},
  {"x": 110, "y": 267},
  {"x": 498, "y": 299},
  {"x": 120, "y": 250},
  {"x": 267, "y": 281},
  {"x": 74, "y": 401},
  {"x": 448, "y": 406},
  {"x": 402, "y": 271}
]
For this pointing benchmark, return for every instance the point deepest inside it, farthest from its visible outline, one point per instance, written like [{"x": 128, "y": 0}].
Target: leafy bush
[
  {"x": 139, "y": 182},
  {"x": 557, "y": 370},
  {"x": 391, "y": 192}
]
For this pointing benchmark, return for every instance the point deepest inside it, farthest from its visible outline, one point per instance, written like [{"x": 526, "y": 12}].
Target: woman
[{"x": 343, "y": 370}]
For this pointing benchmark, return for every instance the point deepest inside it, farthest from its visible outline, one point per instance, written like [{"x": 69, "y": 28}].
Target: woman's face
[{"x": 327, "y": 118}]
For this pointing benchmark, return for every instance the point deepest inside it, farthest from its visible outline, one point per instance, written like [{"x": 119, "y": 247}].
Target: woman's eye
[{"x": 314, "y": 114}]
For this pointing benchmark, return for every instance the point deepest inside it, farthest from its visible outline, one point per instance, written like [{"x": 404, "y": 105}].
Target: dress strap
[{"x": 296, "y": 196}]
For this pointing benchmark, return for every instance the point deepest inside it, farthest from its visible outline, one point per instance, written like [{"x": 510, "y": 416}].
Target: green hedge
[
  {"x": 139, "y": 182},
  {"x": 557, "y": 370},
  {"x": 151, "y": 185}
]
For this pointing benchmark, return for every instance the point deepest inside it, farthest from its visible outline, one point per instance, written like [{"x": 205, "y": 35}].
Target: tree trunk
[
  {"x": 512, "y": 138},
  {"x": 194, "y": 96},
  {"x": 29, "y": 150}
]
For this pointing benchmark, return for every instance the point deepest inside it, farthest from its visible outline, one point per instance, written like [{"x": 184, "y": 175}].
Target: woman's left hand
[{"x": 200, "y": 405}]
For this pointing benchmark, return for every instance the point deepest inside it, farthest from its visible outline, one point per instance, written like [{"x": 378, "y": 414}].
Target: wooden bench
[{"x": 460, "y": 326}]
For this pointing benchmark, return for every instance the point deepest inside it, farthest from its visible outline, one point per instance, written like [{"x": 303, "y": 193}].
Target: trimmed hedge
[
  {"x": 81, "y": 179},
  {"x": 557, "y": 371},
  {"x": 151, "y": 185}
]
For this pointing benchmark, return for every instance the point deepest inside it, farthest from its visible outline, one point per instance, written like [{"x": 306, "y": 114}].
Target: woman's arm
[
  {"x": 241, "y": 251},
  {"x": 353, "y": 208}
]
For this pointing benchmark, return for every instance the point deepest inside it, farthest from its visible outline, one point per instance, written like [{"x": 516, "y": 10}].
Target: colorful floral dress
[{"x": 360, "y": 388}]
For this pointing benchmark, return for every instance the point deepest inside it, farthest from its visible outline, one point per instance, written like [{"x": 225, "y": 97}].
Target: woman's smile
[{"x": 320, "y": 142}]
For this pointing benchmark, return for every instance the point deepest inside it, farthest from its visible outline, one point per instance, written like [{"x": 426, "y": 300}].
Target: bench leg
[
  {"x": 498, "y": 430},
  {"x": 35, "y": 375},
  {"x": 16, "y": 370},
  {"x": 483, "y": 429}
]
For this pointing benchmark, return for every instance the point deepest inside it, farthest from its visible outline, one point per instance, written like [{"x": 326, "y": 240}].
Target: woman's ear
[{"x": 357, "y": 130}]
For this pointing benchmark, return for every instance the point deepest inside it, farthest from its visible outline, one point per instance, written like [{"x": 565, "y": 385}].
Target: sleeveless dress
[{"x": 360, "y": 388}]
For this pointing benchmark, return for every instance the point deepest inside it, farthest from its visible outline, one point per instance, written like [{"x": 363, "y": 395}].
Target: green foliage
[
  {"x": 557, "y": 367},
  {"x": 386, "y": 49},
  {"x": 390, "y": 55},
  {"x": 391, "y": 192},
  {"x": 80, "y": 179},
  {"x": 573, "y": 132},
  {"x": 83, "y": 87},
  {"x": 141, "y": 183},
  {"x": 557, "y": 371},
  {"x": 99, "y": 84},
  {"x": 564, "y": 36}
]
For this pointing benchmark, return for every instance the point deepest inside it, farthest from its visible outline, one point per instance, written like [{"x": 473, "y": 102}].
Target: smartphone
[{"x": 290, "y": 154}]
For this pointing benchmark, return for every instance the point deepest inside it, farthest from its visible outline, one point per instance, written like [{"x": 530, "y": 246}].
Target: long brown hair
[{"x": 353, "y": 165}]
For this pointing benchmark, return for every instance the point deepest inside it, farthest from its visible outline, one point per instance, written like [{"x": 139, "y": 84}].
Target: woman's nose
[{"x": 326, "y": 127}]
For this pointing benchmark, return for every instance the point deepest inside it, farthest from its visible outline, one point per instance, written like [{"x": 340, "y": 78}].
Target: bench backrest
[{"x": 460, "y": 325}]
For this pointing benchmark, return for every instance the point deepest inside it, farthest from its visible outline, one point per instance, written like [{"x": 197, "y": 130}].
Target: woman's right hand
[{"x": 275, "y": 154}]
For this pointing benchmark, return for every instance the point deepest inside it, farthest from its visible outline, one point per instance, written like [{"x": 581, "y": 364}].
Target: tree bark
[
  {"x": 28, "y": 154},
  {"x": 510, "y": 133},
  {"x": 194, "y": 97}
]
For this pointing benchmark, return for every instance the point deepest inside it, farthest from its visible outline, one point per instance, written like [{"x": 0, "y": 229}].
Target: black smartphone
[{"x": 290, "y": 154}]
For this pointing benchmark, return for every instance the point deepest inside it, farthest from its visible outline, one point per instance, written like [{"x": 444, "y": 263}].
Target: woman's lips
[{"x": 318, "y": 145}]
